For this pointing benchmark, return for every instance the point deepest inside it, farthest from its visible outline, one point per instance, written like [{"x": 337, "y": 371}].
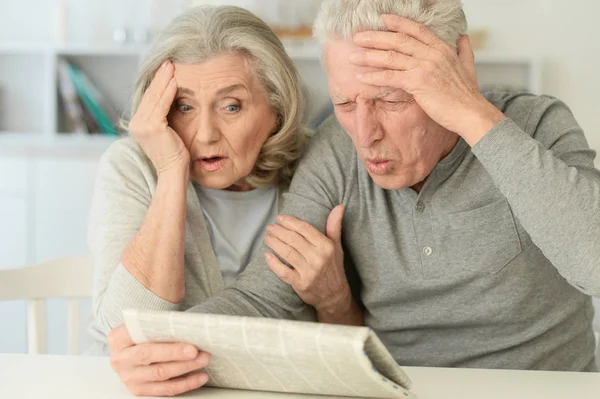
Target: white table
[{"x": 65, "y": 377}]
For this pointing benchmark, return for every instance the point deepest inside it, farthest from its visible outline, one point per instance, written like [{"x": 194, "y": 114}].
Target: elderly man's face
[
  {"x": 223, "y": 118},
  {"x": 398, "y": 143}
]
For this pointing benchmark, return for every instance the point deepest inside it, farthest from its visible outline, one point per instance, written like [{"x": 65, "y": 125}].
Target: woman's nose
[{"x": 208, "y": 131}]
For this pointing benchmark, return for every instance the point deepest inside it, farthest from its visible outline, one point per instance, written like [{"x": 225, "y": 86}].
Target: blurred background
[{"x": 67, "y": 67}]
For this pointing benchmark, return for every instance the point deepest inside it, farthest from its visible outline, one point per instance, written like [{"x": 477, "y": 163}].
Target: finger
[
  {"x": 306, "y": 230},
  {"x": 387, "y": 78},
  {"x": 287, "y": 253},
  {"x": 291, "y": 238},
  {"x": 285, "y": 274},
  {"x": 421, "y": 32},
  {"x": 145, "y": 354},
  {"x": 156, "y": 89},
  {"x": 384, "y": 59},
  {"x": 395, "y": 41},
  {"x": 334, "y": 224},
  {"x": 172, "y": 387},
  {"x": 466, "y": 56},
  {"x": 119, "y": 339},
  {"x": 165, "y": 371},
  {"x": 166, "y": 100}
]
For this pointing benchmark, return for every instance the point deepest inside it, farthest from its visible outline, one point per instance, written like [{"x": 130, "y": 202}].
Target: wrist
[
  {"x": 337, "y": 306},
  {"x": 480, "y": 121},
  {"x": 178, "y": 172}
]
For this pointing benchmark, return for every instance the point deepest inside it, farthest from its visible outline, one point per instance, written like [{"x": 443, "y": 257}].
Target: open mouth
[
  {"x": 212, "y": 159},
  {"x": 212, "y": 164}
]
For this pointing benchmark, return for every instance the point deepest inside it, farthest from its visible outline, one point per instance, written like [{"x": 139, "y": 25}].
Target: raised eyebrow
[
  {"x": 223, "y": 91},
  {"x": 232, "y": 88},
  {"x": 185, "y": 90}
]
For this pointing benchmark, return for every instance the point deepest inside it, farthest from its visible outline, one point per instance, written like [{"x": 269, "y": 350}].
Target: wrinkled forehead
[
  {"x": 341, "y": 74},
  {"x": 216, "y": 73},
  {"x": 336, "y": 53}
]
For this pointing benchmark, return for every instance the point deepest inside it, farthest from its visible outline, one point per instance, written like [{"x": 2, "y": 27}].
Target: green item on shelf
[{"x": 91, "y": 102}]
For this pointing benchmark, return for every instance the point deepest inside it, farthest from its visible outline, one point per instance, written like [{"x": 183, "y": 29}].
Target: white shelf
[
  {"x": 486, "y": 57},
  {"x": 68, "y": 144},
  {"x": 29, "y": 88},
  {"x": 107, "y": 49},
  {"x": 297, "y": 49},
  {"x": 8, "y": 48}
]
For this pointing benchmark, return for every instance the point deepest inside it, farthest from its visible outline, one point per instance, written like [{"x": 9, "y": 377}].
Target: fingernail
[
  {"x": 360, "y": 76},
  {"x": 190, "y": 351},
  {"x": 269, "y": 228},
  {"x": 268, "y": 256},
  {"x": 164, "y": 64},
  {"x": 280, "y": 218}
]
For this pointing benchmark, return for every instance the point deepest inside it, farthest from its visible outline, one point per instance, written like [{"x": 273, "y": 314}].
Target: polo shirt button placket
[{"x": 428, "y": 251}]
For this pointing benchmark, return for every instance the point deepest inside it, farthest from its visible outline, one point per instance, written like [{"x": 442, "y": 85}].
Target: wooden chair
[
  {"x": 70, "y": 278},
  {"x": 597, "y": 334}
]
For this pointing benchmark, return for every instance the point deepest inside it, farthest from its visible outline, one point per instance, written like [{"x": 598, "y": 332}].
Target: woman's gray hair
[
  {"x": 341, "y": 19},
  {"x": 204, "y": 32}
]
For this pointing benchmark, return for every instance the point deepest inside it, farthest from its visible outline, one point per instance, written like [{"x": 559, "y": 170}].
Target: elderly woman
[{"x": 182, "y": 205}]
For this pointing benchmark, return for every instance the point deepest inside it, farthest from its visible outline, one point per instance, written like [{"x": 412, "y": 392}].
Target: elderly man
[{"x": 472, "y": 221}]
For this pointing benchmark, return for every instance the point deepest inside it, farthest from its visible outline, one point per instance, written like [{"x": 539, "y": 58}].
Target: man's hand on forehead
[{"x": 412, "y": 58}]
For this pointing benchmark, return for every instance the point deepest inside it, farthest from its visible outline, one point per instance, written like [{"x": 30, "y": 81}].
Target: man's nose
[{"x": 368, "y": 128}]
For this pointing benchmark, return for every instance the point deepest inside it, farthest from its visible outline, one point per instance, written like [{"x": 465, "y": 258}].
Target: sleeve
[
  {"x": 549, "y": 179},
  {"x": 319, "y": 184},
  {"x": 121, "y": 199}
]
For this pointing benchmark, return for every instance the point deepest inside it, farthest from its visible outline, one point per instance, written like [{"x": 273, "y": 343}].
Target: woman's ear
[{"x": 277, "y": 127}]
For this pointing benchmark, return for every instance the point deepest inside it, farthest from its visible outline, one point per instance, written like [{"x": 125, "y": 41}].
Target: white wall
[{"x": 564, "y": 34}]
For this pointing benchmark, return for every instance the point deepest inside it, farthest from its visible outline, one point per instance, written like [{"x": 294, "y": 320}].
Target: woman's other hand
[
  {"x": 156, "y": 369},
  {"x": 150, "y": 127},
  {"x": 318, "y": 276}
]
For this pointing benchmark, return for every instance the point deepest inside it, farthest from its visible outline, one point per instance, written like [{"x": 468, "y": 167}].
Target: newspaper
[{"x": 280, "y": 355}]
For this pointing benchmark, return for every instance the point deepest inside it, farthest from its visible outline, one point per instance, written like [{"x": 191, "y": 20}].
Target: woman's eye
[
  {"x": 232, "y": 108},
  {"x": 184, "y": 108}
]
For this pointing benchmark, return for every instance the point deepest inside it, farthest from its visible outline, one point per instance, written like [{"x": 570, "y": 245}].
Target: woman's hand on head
[
  {"x": 150, "y": 127},
  {"x": 156, "y": 369},
  {"x": 318, "y": 276}
]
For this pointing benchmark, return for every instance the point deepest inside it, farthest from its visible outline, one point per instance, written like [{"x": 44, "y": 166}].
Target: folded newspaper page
[{"x": 280, "y": 355}]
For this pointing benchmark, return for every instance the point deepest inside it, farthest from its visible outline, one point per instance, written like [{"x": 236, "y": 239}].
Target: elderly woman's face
[
  {"x": 223, "y": 118},
  {"x": 398, "y": 143}
]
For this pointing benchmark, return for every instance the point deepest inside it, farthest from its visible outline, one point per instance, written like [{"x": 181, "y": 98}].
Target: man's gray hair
[
  {"x": 204, "y": 32},
  {"x": 341, "y": 19}
]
